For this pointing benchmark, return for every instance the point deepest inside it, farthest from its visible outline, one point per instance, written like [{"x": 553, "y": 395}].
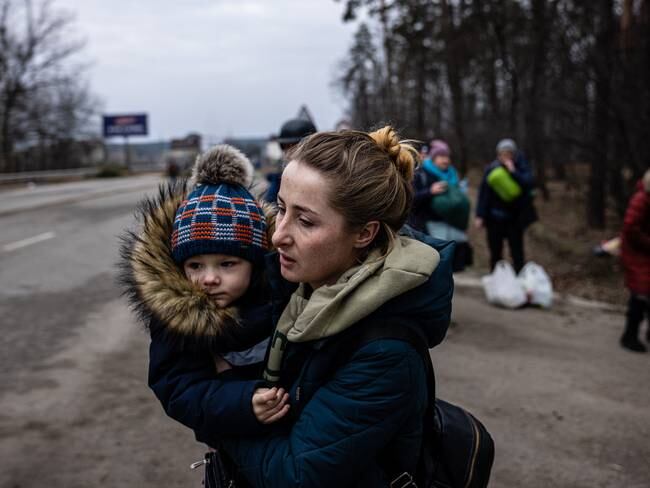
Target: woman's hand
[
  {"x": 270, "y": 404},
  {"x": 438, "y": 187}
]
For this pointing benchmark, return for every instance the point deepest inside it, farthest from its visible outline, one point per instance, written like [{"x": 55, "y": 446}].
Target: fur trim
[
  {"x": 157, "y": 288},
  {"x": 222, "y": 164}
]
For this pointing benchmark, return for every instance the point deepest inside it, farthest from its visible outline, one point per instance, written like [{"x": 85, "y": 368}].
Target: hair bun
[
  {"x": 403, "y": 155},
  {"x": 222, "y": 164}
]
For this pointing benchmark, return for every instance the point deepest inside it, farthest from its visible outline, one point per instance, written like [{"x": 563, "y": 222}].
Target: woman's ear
[{"x": 367, "y": 234}]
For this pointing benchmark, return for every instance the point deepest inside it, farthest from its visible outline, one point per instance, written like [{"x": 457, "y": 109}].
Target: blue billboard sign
[{"x": 125, "y": 125}]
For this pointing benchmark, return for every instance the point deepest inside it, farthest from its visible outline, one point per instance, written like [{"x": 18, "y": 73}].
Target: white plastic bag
[
  {"x": 503, "y": 288},
  {"x": 537, "y": 284}
]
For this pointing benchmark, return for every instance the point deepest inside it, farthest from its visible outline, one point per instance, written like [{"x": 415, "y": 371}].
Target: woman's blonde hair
[{"x": 370, "y": 173}]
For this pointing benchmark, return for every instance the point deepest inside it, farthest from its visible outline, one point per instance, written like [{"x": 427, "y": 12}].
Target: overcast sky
[{"x": 218, "y": 67}]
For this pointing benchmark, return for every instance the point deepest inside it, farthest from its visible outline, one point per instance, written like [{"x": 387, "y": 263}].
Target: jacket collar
[{"x": 332, "y": 309}]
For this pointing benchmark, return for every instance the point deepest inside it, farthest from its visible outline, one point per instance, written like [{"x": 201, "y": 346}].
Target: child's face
[{"x": 225, "y": 278}]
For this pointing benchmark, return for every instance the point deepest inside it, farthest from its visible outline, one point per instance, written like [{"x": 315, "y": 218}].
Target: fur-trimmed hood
[{"x": 156, "y": 286}]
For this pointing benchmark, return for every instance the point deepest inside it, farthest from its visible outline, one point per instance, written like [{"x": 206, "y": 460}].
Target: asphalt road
[
  {"x": 74, "y": 406},
  {"x": 566, "y": 406}
]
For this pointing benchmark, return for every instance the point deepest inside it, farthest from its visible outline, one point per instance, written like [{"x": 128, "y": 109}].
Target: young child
[{"x": 195, "y": 276}]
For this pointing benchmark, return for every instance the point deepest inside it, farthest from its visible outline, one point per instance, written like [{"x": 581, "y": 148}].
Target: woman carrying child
[{"x": 343, "y": 199}]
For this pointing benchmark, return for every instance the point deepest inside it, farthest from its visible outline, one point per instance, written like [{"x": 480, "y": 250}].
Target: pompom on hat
[{"x": 219, "y": 215}]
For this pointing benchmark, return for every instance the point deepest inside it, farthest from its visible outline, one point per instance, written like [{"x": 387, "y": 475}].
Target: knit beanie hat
[
  {"x": 507, "y": 145},
  {"x": 219, "y": 215},
  {"x": 439, "y": 148}
]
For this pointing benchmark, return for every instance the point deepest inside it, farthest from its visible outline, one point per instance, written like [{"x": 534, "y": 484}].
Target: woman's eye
[
  {"x": 280, "y": 210},
  {"x": 305, "y": 223},
  {"x": 228, "y": 264},
  {"x": 194, "y": 266}
]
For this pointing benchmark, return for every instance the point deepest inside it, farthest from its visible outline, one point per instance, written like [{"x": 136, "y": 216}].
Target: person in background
[
  {"x": 431, "y": 179},
  {"x": 635, "y": 257},
  {"x": 173, "y": 171},
  {"x": 291, "y": 133},
  {"x": 505, "y": 205},
  {"x": 424, "y": 152},
  {"x": 440, "y": 207}
]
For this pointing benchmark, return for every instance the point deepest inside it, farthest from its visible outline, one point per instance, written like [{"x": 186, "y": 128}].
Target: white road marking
[{"x": 28, "y": 242}]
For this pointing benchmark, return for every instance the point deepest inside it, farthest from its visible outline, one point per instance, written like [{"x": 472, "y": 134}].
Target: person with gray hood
[{"x": 505, "y": 205}]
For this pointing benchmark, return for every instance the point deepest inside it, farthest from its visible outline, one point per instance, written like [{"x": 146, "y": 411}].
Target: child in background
[{"x": 195, "y": 275}]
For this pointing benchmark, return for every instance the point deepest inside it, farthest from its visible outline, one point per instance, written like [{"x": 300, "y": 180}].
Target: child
[{"x": 194, "y": 274}]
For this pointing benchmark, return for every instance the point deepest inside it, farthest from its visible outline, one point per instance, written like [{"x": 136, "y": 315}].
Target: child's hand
[{"x": 270, "y": 404}]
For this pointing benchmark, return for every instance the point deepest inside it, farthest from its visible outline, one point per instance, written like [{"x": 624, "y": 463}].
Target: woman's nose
[{"x": 281, "y": 236}]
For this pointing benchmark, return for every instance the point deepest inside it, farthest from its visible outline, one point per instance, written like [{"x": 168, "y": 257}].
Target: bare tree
[
  {"x": 42, "y": 99},
  {"x": 570, "y": 80}
]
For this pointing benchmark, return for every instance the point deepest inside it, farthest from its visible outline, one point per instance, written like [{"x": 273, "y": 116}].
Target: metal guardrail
[{"x": 27, "y": 176}]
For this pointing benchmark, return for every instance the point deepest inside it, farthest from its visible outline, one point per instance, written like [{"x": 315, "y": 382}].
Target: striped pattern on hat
[{"x": 219, "y": 219}]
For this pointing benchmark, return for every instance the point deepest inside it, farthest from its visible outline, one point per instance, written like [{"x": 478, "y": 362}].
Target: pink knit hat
[{"x": 439, "y": 148}]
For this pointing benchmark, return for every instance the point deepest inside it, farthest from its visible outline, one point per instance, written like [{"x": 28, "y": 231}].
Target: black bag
[
  {"x": 461, "y": 448},
  {"x": 219, "y": 471},
  {"x": 457, "y": 450}
]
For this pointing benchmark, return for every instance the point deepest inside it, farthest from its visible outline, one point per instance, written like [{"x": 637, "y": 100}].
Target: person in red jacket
[{"x": 635, "y": 257}]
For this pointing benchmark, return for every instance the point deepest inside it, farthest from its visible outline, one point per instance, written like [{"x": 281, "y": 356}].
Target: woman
[
  {"x": 432, "y": 179},
  {"x": 635, "y": 257},
  {"x": 343, "y": 198},
  {"x": 440, "y": 206},
  {"x": 506, "y": 217}
]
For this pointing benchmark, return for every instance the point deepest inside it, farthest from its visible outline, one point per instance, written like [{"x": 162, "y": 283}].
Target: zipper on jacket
[{"x": 475, "y": 450}]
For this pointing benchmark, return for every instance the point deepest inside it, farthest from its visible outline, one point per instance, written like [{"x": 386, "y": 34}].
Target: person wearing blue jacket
[
  {"x": 194, "y": 272},
  {"x": 506, "y": 220},
  {"x": 344, "y": 196}
]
